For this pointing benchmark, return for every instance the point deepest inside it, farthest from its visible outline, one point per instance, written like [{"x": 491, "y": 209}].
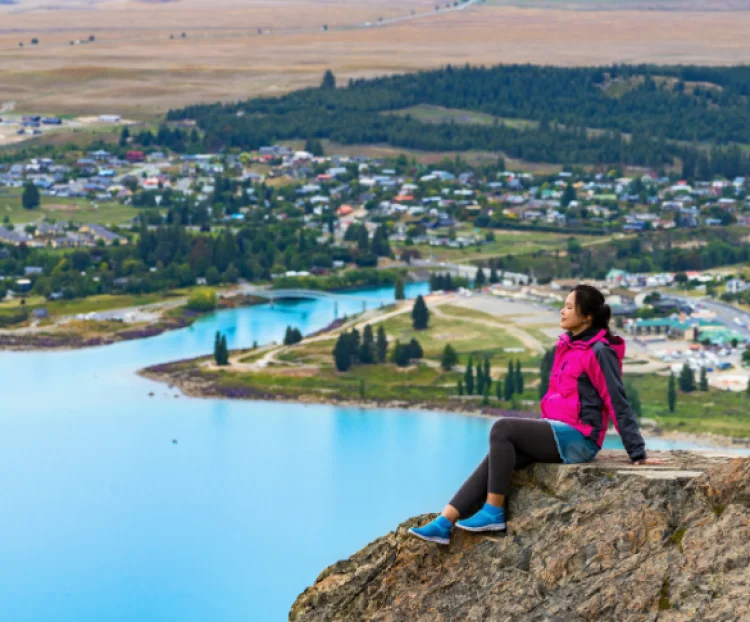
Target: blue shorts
[{"x": 572, "y": 446}]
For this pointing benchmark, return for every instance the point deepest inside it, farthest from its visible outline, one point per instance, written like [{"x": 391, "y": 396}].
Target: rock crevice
[{"x": 599, "y": 541}]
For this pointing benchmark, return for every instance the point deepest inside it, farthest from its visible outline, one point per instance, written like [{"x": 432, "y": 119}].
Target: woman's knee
[{"x": 500, "y": 430}]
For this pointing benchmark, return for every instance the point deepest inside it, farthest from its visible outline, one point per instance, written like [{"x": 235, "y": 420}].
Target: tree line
[{"x": 639, "y": 112}]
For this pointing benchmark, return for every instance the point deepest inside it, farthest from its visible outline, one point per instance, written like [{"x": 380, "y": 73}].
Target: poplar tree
[
  {"x": 381, "y": 345},
  {"x": 508, "y": 386},
  {"x": 518, "y": 380},
  {"x": 469, "y": 377},
  {"x": 399, "y": 290},
  {"x": 671, "y": 393},
  {"x": 480, "y": 379},
  {"x": 703, "y": 382},
  {"x": 479, "y": 280},
  {"x": 367, "y": 349}
]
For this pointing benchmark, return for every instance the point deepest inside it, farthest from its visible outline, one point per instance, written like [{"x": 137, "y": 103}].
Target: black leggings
[{"x": 514, "y": 444}]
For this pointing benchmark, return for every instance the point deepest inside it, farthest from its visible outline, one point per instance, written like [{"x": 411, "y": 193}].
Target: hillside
[
  {"x": 643, "y": 115},
  {"x": 606, "y": 541}
]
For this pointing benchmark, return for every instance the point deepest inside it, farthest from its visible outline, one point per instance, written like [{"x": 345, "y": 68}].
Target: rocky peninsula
[{"x": 594, "y": 542}]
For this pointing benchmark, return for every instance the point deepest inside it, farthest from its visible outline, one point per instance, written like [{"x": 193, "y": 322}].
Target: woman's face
[{"x": 569, "y": 318}]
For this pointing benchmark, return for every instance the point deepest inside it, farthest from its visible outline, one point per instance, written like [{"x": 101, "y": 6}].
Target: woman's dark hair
[{"x": 590, "y": 301}]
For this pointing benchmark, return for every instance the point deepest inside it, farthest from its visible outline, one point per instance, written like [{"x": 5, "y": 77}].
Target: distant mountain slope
[{"x": 640, "y": 5}]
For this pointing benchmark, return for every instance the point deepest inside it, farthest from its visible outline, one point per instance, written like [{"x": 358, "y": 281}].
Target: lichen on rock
[{"x": 593, "y": 542}]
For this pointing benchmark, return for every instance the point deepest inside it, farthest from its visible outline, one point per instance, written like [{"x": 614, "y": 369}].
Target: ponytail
[{"x": 590, "y": 301}]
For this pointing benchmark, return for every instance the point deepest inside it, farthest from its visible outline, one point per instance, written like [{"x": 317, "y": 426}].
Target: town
[{"x": 514, "y": 234}]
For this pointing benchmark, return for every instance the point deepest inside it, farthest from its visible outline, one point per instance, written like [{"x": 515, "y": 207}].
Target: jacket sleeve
[{"x": 608, "y": 381}]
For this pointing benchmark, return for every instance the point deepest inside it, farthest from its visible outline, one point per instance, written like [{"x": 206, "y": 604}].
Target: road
[{"x": 725, "y": 313}]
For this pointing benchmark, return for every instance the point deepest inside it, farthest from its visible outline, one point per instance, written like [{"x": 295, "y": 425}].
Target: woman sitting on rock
[{"x": 585, "y": 391}]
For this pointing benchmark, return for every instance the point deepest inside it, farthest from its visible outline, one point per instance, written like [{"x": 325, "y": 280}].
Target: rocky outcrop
[{"x": 595, "y": 542}]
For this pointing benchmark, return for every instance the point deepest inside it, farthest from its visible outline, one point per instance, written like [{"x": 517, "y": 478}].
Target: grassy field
[
  {"x": 79, "y": 211},
  {"x": 715, "y": 412},
  {"x": 505, "y": 243},
  {"x": 469, "y": 338},
  {"x": 437, "y": 114},
  {"x": 135, "y": 69}
]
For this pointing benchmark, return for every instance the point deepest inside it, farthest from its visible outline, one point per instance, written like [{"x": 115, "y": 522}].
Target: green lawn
[{"x": 79, "y": 211}]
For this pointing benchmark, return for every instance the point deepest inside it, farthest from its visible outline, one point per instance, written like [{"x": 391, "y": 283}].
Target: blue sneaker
[
  {"x": 487, "y": 519},
  {"x": 438, "y": 531}
]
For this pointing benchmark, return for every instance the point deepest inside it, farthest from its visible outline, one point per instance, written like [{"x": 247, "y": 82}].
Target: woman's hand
[{"x": 649, "y": 461}]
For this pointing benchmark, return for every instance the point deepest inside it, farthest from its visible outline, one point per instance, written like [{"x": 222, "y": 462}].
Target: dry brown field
[{"x": 135, "y": 69}]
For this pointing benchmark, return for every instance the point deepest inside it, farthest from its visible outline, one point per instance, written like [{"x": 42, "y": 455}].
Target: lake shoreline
[
  {"x": 59, "y": 340},
  {"x": 68, "y": 341},
  {"x": 178, "y": 375}
]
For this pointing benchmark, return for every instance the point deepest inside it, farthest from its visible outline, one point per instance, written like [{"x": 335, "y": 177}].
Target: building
[{"x": 97, "y": 232}]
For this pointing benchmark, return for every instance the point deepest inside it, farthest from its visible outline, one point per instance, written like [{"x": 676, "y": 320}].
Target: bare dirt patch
[{"x": 134, "y": 68}]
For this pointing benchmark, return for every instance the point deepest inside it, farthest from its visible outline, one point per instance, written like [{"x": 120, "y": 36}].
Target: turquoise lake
[{"x": 104, "y": 518}]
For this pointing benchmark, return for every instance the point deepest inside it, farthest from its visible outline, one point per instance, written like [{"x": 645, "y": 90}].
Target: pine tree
[
  {"x": 415, "y": 349},
  {"x": 288, "y": 339},
  {"x": 508, "y": 384},
  {"x": 381, "y": 345},
  {"x": 479, "y": 280},
  {"x": 363, "y": 241},
  {"x": 420, "y": 314},
  {"x": 469, "y": 377},
  {"x": 486, "y": 394},
  {"x": 329, "y": 80},
  {"x": 342, "y": 353},
  {"x": 124, "y": 135},
  {"x": 460, "y": 386},
  {"x": 703, "y": 382},
  {"x": 400, "y": 354},
  {"x": 449, "y": 358},
  {"x": 686, "y": 380},
  {"x": 493, "y": 275},
  {"x": 500, "y": 390},
  {"x": 399, "y": 290},
  {"x": 367, "y": 349},
  {"x": 30, "y": 198},
  {"x": 518, "y": 380},
  {"x": 671, "y": 393},
  {"x": 380, "y": 246},
  {"x": 448, "y": 283},
  {"x": 487, "y": 374}
]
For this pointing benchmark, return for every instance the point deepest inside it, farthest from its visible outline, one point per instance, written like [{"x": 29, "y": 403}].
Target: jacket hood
[{"x": 615, "y": 342}]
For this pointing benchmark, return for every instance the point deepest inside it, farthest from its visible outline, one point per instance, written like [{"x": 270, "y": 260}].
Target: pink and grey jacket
[{"x": 586, "y": 391}]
